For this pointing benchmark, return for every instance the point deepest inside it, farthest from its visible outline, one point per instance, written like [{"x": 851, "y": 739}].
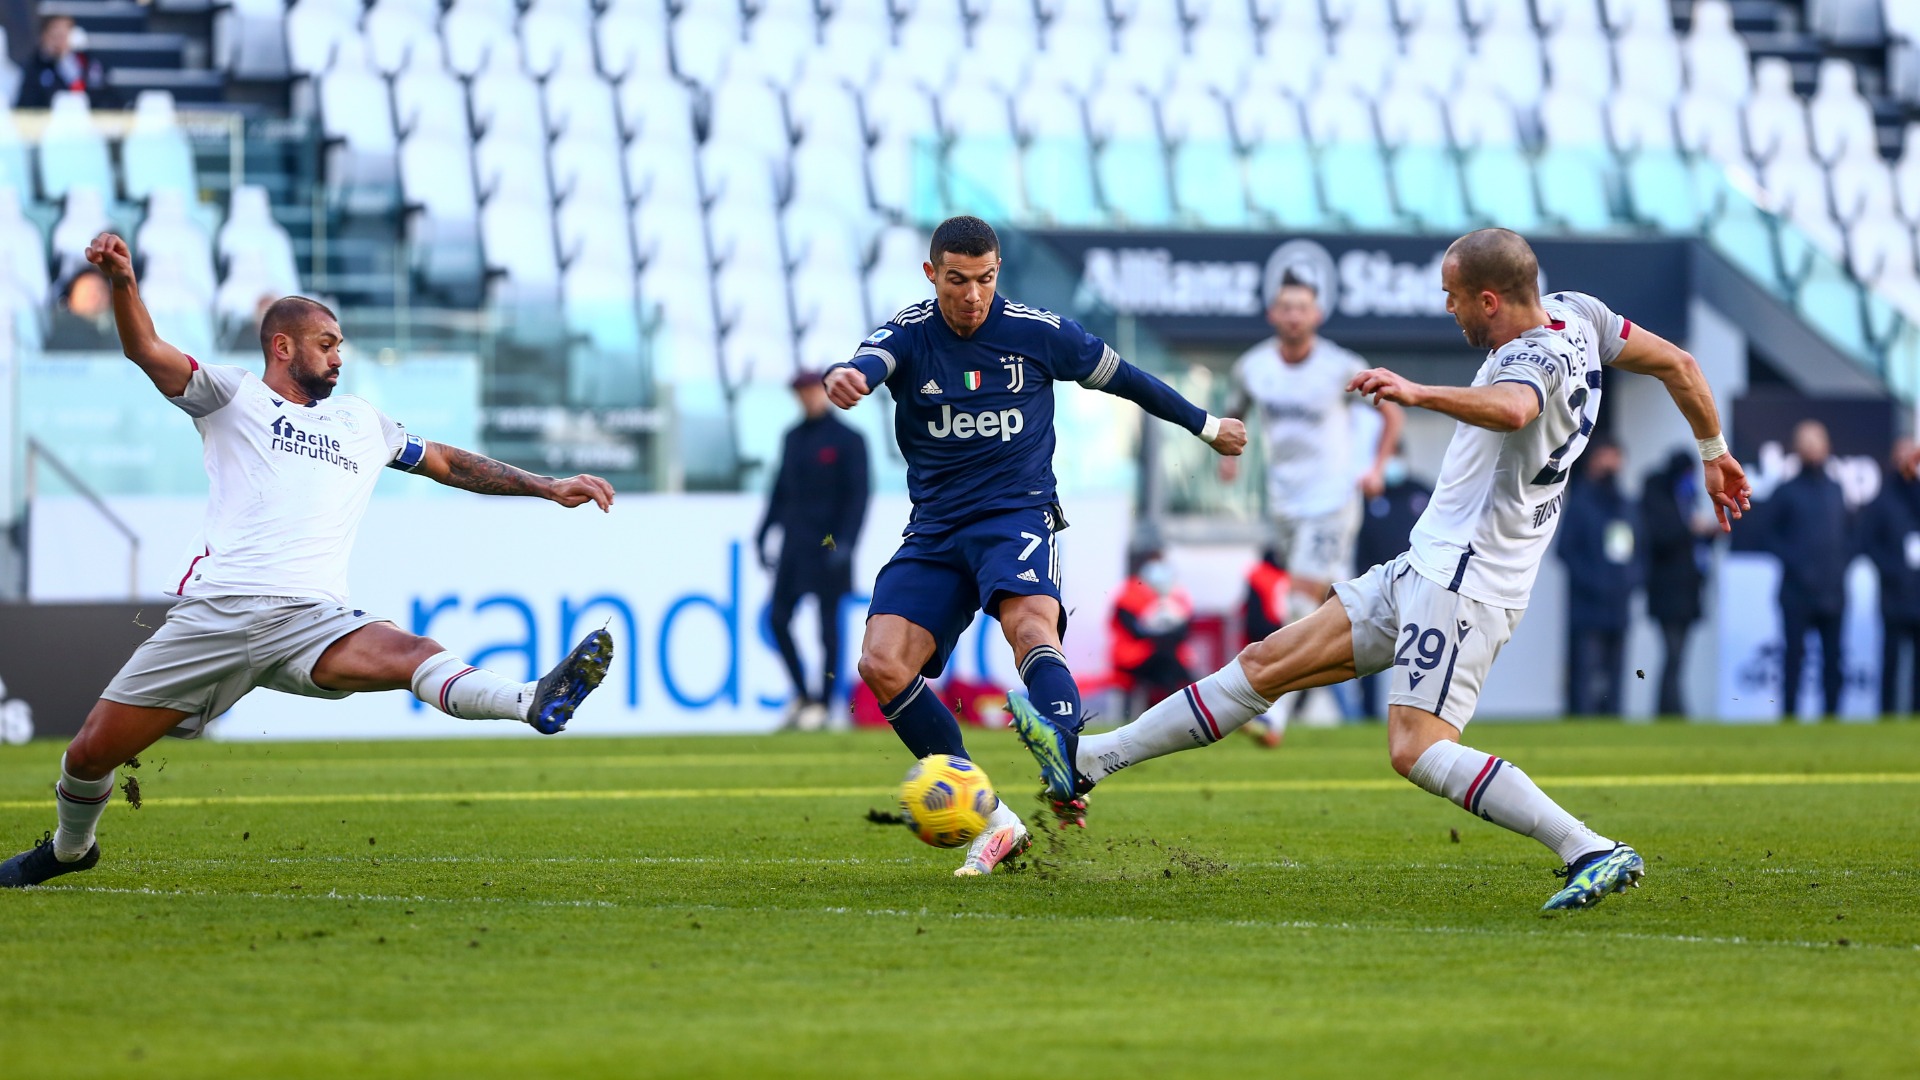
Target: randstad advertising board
[
  {"x": 1201, "y": 288},
  {"x": 512, "y": 583}
]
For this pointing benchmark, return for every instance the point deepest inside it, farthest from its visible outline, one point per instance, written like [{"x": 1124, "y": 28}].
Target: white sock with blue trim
[
  {"x": 461, "y": 690},
  {"x": 1495, "y": 789},
  {"x": 1198, "y": 715}
]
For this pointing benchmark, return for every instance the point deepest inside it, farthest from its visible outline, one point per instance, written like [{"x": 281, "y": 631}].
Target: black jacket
[
  {"x": 1674, "y": 576},
  {"x": 1600, "y": 578},
  {"x": 1889, "y": 532},
  {"x": 40, "y": 80},
  {"x": 1386, "y": 523},
  {"x": 1811, "y": 532},
  {"x": 819, "y": 493}
]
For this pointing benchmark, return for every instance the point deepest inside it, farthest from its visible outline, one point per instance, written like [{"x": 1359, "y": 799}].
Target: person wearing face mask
[
  {"x": 1811, "y": 532},
  {"x": 1600, "y": 543},
  {"x": 1152, "y": 618}
]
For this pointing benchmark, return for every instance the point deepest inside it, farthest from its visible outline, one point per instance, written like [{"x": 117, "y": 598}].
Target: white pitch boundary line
[
  {"x": 984, "y": 916},
  {"x": 1165, "y": 787}
]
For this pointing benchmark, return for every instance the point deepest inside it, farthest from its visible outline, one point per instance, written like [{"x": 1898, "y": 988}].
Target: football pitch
[{"x": 723, "y": 907}]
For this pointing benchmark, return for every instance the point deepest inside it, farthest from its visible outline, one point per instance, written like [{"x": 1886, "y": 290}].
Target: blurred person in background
[
  {"x": 1264, "y": 612},
  {"x": 1152, "y": 618},
  {"x": 1600, "y": 543},
  {"x": 83, "y": 317},
  {"x": 1298, "y": 382},
  {"x": 819, "y": 503},
  {"x": 61, "y": 65},
  {"x": 1890, "y": 536},
  {"x": 1386, "y": 528},
  {"x": 1810, "y": 531},
  {"x": 1677, "y": 532}
]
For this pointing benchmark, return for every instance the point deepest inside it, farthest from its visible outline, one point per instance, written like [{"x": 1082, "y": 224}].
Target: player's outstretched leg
[
  {"x": 1424, "y": 750},
  {"x": 459, "y": 689}
]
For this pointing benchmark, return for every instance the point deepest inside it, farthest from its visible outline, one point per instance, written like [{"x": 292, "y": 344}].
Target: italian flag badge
[{"x": 972, "y": 380}]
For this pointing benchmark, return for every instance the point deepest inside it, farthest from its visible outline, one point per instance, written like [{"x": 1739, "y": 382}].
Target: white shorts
[
  {"x": 213, "y": 650},
  {"x": 1438, "y": 643},
  {"x": 1319, "y": 547}
]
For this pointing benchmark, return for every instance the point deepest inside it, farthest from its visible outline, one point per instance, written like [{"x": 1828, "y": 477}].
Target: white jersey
[
  {"x": 1498, "y": 498},
  {"x": 1305, "y": 414},
  {"x": 290, "y": 484}
]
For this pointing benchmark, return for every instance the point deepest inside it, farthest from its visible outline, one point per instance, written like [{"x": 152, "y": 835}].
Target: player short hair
[
  {"x": 288, "y": 315},
  {"x": 1498, "y": 261},
  {"x": 1291, "y": 280},
  {"x": 963, "y": 235}
]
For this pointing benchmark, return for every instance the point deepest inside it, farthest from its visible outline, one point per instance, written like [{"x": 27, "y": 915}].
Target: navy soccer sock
[
  {"x": 1051, "y": 687},
  {"x": 924, "y": 722}
]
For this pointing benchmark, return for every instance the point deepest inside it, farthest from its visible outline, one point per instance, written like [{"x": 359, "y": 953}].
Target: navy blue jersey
[{"x": 975, "y": 414}]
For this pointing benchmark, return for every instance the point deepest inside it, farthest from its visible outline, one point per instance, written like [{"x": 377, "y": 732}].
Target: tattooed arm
[{"x": 469, "y": 471}]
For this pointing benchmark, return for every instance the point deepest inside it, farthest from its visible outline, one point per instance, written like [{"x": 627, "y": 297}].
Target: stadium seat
[
  {"x": 662, "y": 176},
  {"x": 425, "y": 98},
  {"x": 1649, "y": 64},
  {"x": 1861, "y": 184},
  {"x": 1903, "y": 49},
  {"x": 1775, "y": 120},
  {"x": 657, "y": 111},
  {"x": 1424, "y": 18},
  {"x": 83, "y": 217},
  {"x": 1880, "y": 248},
  {"x": 580, "y": 102},
  {"x": 1145, "y": 57},
  {"x": 744, "y": 229},
  {"x": 1351, "y": 166},
  {"x": 356, "y": 114},
  {"x": 1359, "y": 61},
  {"x": 746, "y": 113},
  {"x": 1282, "y": 181},
  {"x": 1001, "y": 44},
  {"x": 983, "y": 158},
  {"x": 1129, "y": 160},
  {"x": 601, "y": 306},
  {"x": 473, "y": 30},
  {"x": 248, "y": 283},
  {"x": 72, "y": 152},
  {"x": 399, "y": 32},
  {"x": 516, "y": 237},
  {"x": 857, "y": 36},
  {"x": 781, "y": 36},
  {"x": 1208, "y": 186},
  {"x": 830, "y": 180},
  {"x": 1426, "y": 184},
  {"x": 23, "y": 251},
  {"x": 315, "y": 29},
  {"x": 155, "y": 155},
  {"x": 250, "y": 40},
  {"x": 557, "y": 35},
  {"x": 1577, "y": 15},
  {"x": 250, "y": 227},
  {"x": 171, "y": 228},
  {"x": 1830, "y": 300},
  {"x": 581, "y": 162},
  {"x": 631, "y": 38},
  {"x": 1434, "y": 61},
  {"x": 1840, "y": 117},
  {"x": 512, "y": 162},
  {"x": 1716, "y": 56},
  {"x": 1906, "y": 174},
  {"x": 893, "y": 278},
  {"x": 1371, "y": 16},
  {"x": 1745, "y": 235},
  {"x": 505, "y": 101},
  {"x": 182, "y": 315},
  {"x": 1850, "y": 23},
  {"x": 583, "y": 236},
  {"x": 15, "y": 170},
  {"x": 1624, "y": 17},
  {"x": 1574, "y": 65},
  {"x": 756, "y": 329},
  {"x": 1494, "y": 171},
  {"x": 823, "y": 112},
  {"x": 1223, "y": 48},
  {"x": 1797, "y": 190},
  {"x": 1512, "y": 61},
  {"x": 1711, "y": 125},
  {"x": 1503, "y": 16},
  {"x": 703, "y": 38},
  {"x": 443, "y": 219}
]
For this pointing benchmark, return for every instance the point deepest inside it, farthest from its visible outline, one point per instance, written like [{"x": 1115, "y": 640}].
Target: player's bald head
[
  {"x": 292, "y": 316},
  {"x": 1498, "y": 261}
]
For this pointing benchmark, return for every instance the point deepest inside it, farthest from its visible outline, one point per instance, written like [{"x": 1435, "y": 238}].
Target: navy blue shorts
[{"x": 938, "y": 582}]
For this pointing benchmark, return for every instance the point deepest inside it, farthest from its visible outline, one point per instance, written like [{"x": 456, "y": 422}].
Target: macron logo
[
  {"x": 931, "y": 388},
  {"x": 1028, "y": 575}
]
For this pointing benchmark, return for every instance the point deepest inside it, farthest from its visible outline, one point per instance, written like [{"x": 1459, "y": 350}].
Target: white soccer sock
[
  {"x": 1002, "y": 816},
  {"x": 1498, "y": 791},
  {"x": 1198, "y": 715},
  {"x": 81, "y": 802},
  {"x": 459, "y": 689}
]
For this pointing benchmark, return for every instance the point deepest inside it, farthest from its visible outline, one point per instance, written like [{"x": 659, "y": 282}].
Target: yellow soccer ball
[{"x": 946, "y": 800}]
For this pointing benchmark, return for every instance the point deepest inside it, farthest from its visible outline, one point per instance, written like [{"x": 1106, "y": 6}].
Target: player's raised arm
[
  {"x": 1501, "y": 406},
  {"x": 1105, "y": 371},
  {"x": 167, "y": 366},
  {"x": 469, "y": 471},
  {"x": 1647, "y": 353}
]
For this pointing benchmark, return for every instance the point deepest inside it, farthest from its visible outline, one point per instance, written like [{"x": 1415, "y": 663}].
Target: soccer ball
[{"x": 946, "y": 800}]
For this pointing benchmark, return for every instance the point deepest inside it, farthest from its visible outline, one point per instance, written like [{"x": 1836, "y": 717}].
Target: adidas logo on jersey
[
  {"x": 1028, "y": 575},
  {"x": 932, "y": 388}
]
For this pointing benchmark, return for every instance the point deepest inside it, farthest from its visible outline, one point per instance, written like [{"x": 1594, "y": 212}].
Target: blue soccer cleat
[
  {"x": 1053, "y": 747},
  {"x": 1592, "y": 877},
  {"x": 38, "y": 864},
  {"x": 561, "y": 690}
]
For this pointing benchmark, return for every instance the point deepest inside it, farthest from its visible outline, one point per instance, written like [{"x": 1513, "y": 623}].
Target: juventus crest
[{"x": 1016, "y": 368}]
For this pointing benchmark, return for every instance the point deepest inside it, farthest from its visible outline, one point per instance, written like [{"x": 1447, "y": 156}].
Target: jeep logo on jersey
[
  {"x": 291, "y": 440},
  {"x": 1006, "y": 423}
]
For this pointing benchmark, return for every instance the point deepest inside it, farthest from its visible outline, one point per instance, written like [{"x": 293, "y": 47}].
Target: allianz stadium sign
[{"x": 1212, "y": 288}]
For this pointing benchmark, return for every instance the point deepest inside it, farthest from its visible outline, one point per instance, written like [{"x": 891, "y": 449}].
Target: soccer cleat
[
  {"x": 1266, "y": 731},
  {"x": 994, "y": 847},
  {"x": 561, "y": 690},
  {"x": 39, "y": 864},
  {"x": 1053, "y": 747},
  {"x": 1592, "y": 877}
]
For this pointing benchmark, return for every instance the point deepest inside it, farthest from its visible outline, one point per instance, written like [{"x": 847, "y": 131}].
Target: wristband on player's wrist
[
  {"x": 1712, "y": 448},
  {"x": 1210, "y": 430}
]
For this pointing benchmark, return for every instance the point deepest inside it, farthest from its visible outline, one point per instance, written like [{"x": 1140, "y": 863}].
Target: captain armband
[{"x": 412, "y": 453}]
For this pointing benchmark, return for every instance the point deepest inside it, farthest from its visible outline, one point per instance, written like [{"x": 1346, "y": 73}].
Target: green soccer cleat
[
  {"x": 1592, "y": 877},
  {"x": 1053, "y": 747}
]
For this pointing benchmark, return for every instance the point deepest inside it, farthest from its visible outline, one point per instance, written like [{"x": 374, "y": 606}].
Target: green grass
[{"x": 720, "y": 907}]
